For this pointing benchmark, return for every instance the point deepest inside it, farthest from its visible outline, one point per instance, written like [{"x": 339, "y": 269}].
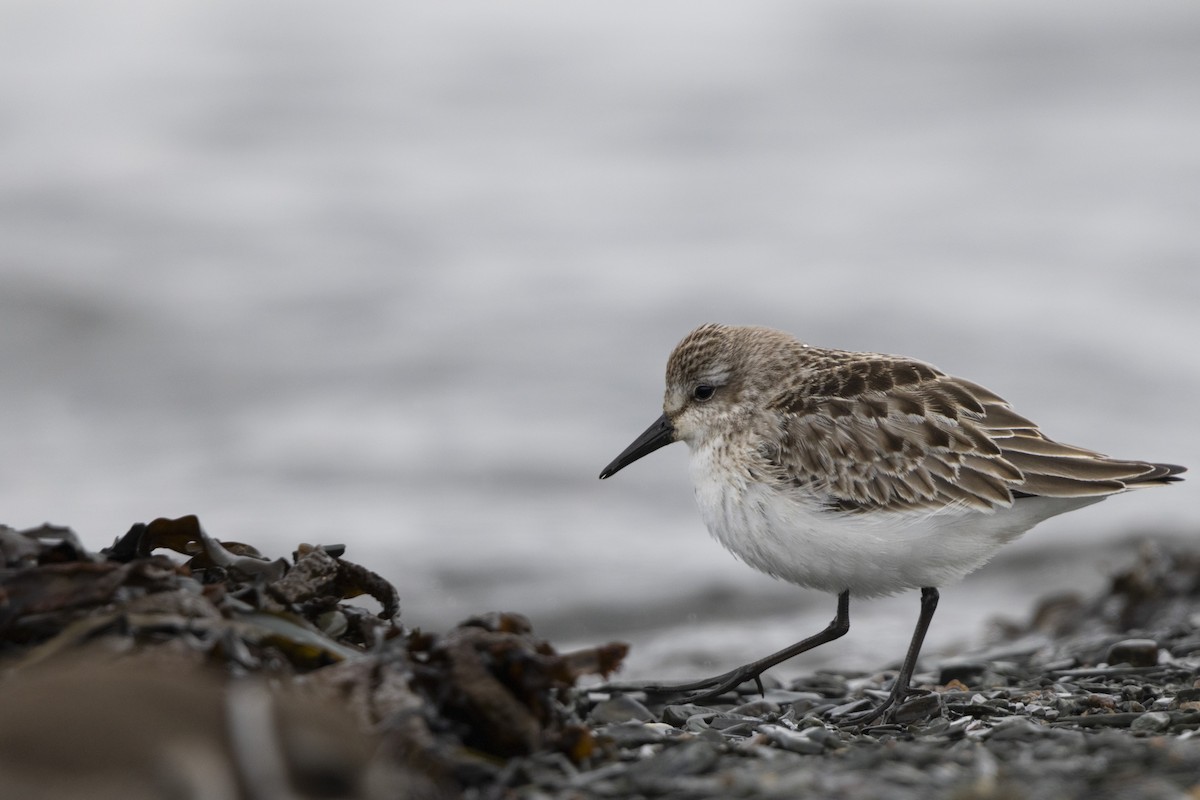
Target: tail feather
[
  {"x": 1162, "y": 473},
  {"x": 1091, "y": 480}
]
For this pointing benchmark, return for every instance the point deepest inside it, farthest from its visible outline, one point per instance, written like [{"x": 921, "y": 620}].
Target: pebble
[
  {"x": 633, "y": 734},
  {"x": 678, "y": 715},
  {"x": 734, "y": 724},
  {"x": 853, "y": 707},
  {"x": 1134, "y": 652},
  {"x": 921, "y": 707},
  {"x": 757, "y": 708},
  {"x": 793, "y": 741},
  {"x": 826, "y": 736},
  {"x": 620, "y": 708},
  {"x": 1187, "y": 696},
  {"x": 686, "y": 758},
  {"x": 1017, "y": 728},
  {"x": 1152, "y": 721}
]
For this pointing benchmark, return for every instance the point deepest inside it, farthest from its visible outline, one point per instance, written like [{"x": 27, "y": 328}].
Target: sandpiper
[{"x": 859, "y": 473}]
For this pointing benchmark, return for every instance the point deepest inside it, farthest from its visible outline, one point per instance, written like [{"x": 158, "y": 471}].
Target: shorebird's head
[{"x": 715, "y": 377}]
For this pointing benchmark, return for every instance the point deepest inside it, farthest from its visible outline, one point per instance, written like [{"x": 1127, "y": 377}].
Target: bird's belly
[{"x": 791, "y": 537}]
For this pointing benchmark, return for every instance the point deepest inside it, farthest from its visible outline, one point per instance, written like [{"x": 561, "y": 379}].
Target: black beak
[{"x": 659, "y": 434}]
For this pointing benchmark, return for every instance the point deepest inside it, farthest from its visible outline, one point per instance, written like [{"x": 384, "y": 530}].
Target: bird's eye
[{"x": 703, "y": 392}]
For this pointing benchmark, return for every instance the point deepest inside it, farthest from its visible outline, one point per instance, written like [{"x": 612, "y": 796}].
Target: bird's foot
[
  {"x": 900, "y": 707},
  {"x": 692, "y": 692}
]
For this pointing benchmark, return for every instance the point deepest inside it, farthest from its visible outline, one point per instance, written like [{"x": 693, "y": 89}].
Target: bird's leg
[
  {"x": 900, "y": 687},
  {"x": 709, "y": 688}
]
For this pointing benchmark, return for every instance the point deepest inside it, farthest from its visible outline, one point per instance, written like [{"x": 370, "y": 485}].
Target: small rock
[
  {"x": 827, "y": 737},
  {"x": 922, "y": 707},
  {"x": 852, "y": 707},
  {"x": 1102, "y": 701},
  {"x": 621, "y": 708},
  {"x": 934, "y": 727},
  {"x": 731, "y": 724},
  {"x": 810, "y": 721},
  {"x": 1134, "y": 652},
  {"x": 1015, "y": 728},
  {"x": 1186, "y": 722},
  {"x": 1187, "y": 696},
  {"x": 677, "y": 715},
  {"x": 687, "y": 758},
  {"x": 793, "y": 741},
  {"x": 1120, "y": 719},
  {"x": 756, "y": 708},
  {"x": 633, "y": 734},
  {"x": 1152, "y": 721}
]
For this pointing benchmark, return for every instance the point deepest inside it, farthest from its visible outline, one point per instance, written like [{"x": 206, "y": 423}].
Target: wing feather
[{"x": 919, "y": 439}]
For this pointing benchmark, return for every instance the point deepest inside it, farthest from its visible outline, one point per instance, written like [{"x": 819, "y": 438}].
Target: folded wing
[{"x": 879, "y": 432}]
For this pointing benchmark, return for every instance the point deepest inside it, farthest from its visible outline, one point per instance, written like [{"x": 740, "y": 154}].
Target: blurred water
[{"x": 406, "y": 275}]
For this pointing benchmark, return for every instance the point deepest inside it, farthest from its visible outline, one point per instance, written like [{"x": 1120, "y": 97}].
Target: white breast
[{"x": 787, "y": 534}]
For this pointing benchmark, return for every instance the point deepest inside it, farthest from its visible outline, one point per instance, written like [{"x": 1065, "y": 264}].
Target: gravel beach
[
  {"x": 125, "y": 673},
  {"x": 1094, "y": 697}
]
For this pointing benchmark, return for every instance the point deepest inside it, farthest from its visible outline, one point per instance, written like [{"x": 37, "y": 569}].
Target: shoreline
[{"x": 1092, "y": 697}]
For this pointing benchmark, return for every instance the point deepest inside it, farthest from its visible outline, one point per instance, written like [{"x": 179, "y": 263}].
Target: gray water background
[{"x": 405, "y": 276}]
